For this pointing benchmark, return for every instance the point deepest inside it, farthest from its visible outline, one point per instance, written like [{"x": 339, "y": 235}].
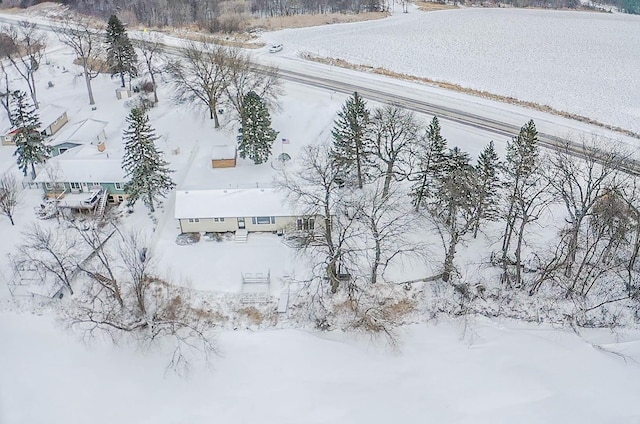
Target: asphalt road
[{"x": 387, "y": 94}]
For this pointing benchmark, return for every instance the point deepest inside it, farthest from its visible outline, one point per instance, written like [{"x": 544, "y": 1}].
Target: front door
[{"x": 241, "y": 223}]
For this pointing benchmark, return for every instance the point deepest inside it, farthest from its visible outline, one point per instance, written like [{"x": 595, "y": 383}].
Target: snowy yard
[{"x": 444, "y": 370}]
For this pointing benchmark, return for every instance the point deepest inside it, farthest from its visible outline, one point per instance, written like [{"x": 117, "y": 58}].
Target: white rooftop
[
  {"x": 223, "y": 151},
  {"x": 231, "y": 203},
  {"x": 68, "y": 168},
  {"x": 50, "y": 114},
  {"x": 83, "y": 132}
]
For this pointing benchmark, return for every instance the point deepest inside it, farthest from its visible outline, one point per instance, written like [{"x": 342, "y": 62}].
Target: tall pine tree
[
  {"x": 148, "y": 174},
  {"x": 121, "y": 56},
  {"x": 256, "y": 135},
  {"x": 350, "y": 151},
  {"x": 521, "y": 174},
  {"x": 487, "y": 193},
  {"x": 30, "y": 148},
  {"x": 431, "y": 162},
  {"x": 452, "y": 205}
]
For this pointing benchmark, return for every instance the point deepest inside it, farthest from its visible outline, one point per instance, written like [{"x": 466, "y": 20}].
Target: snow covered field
[
  {"x": 452, "y": 371},
  {"x": 584, "y": 63},
  {"x": 487, "y": 372}
]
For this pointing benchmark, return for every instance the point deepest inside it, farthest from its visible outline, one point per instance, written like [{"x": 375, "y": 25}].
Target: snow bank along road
[{"x": 371, "y": 88}]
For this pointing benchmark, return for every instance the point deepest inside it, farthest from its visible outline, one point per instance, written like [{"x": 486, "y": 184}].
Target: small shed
[
  {"x": 224, "y": 156},
  {"x": 123, "y": 93}
]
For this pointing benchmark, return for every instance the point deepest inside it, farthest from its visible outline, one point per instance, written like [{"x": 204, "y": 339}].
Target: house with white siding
[{"x": 251, "y": 210}]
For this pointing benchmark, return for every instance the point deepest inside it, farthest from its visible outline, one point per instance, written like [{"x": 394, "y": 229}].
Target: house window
[
  {"x": 118, "y": 186},
  {"x": 111, "y": 199},
  {"x": 62, "y": 150},
  {"x": 75, "y": 186},
  {"x": 120, "y": 199},
  {"x": 194, "y": 219},
  {"x": 305, "y": 223},
  {"x": 218, "y": 219},
  {"x": 264, "y": 220}
]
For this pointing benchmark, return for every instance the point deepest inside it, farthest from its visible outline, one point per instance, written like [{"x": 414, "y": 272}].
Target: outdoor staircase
[
  {"x": 241, "y": 236},
  {"x": 102, "y": 203}
]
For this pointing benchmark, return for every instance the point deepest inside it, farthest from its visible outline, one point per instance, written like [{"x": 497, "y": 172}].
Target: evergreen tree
[
  {"x": 487, "y": 192},
  {"x": 452, "y": 205},
  {"x": 148, "y": 174},
  {"x": 121, "y": 56},
  {"x": 521, "y": 174},
  {"x": 350, "y": 148},
  {"x": 256, "y": 135},
  {"x": 30, "y": 148},
  {"x": 432, "y": 159}
]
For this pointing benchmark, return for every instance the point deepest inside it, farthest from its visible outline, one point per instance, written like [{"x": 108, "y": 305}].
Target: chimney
[{"x": 101, "y": 146}]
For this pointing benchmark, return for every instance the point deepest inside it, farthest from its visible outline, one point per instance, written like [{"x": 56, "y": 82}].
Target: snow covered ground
[
  {"x": 449, "y": 372},
  {"x": 584, "y": 63}
]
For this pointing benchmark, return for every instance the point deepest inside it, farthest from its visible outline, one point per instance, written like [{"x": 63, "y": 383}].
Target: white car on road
[{"x": 275, "y": 48}]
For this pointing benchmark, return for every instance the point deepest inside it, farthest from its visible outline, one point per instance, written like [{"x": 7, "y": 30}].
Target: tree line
[
  {"x": 387, "y": 184},
  {"x": 231, "y": 15},
  {"x": 209, "y": 15}
]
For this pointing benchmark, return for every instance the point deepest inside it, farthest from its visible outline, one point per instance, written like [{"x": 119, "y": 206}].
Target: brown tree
[{"x": 87, "y": 43}]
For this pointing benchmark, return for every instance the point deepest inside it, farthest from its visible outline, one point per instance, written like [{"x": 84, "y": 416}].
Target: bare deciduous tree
[
  {"x": 243, "y": 76},
  {"x": 151, "y": 47},
  {"x": 29, "y": 46},
  {"x": 54, "y": 252},
  {"x": 87, "y": 43},
  {"x": 384, "y": 238},
  {"x": 9, "y": 195},
  {"x": 394, "y": 132},
  {"x": 314, "y": 190},
  {"x": 121, "y": 298},
  {"x": 5, "y": 91},
  {"x": 581, "y": 183},
  {"x": 201, "y": 75}
]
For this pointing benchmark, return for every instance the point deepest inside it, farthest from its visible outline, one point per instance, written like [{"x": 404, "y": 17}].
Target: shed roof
[
  {"x": 231, "y": 203},
  {"x": 223, "y": 151}
]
